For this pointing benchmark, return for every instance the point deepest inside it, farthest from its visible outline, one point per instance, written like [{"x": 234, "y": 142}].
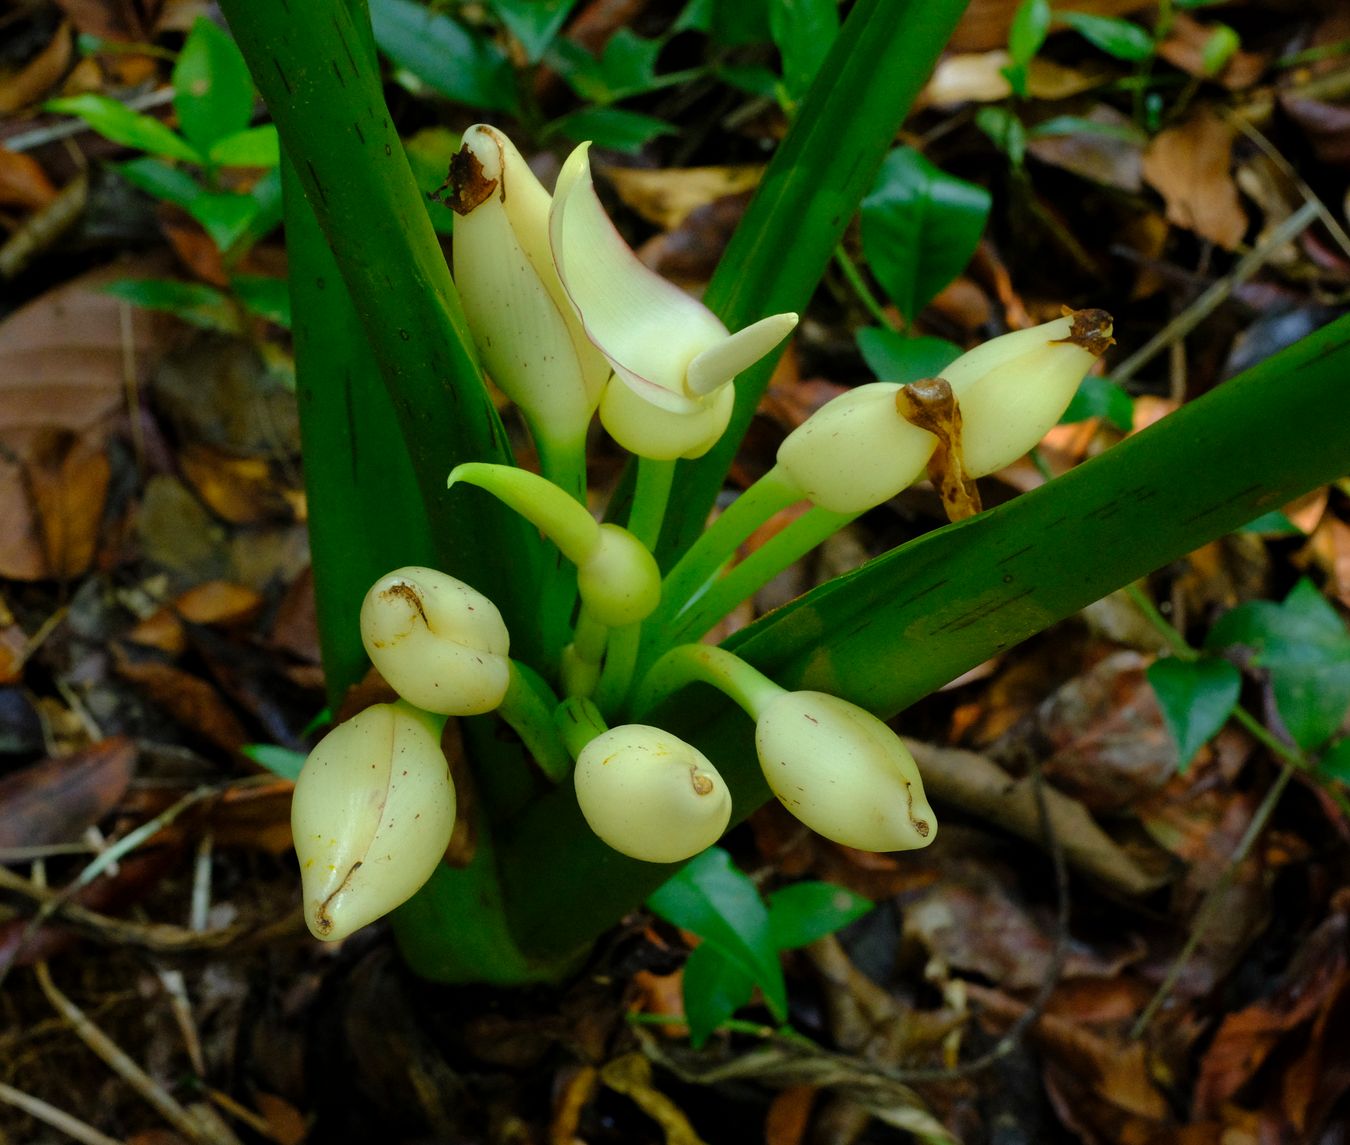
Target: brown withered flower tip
[
  {"x": 465, "y": 186},
  {"x": 1091, "y": 330}
]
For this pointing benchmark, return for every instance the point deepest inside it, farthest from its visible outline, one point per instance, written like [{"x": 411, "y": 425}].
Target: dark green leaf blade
[
  {"x": 212, "y": 90},
  {"x": 804, "y": 912},
  {"x": 268, "y": 298},
  {"x": 1196, "y": 698},
  {"x": 714, "y": 900},
  {"x": 1103, "y": 398},
  {"x": 1304, "y": 646},
  {"x": 1115, "y": 37},
  {"x": 804, "y": 31},
  {"x": 1335, "y": 763},
  {"x": 615, "y": 128},
  {"x": 715, "y": 987},
  {"x": 193, "y": 302},
  {"x": 223, "y": 215},
  {"x": 117, "y": 122},
  {"x": 162, "y": 180},
  {"x": 895, "y": 358},
  {"x": 919, "y": 228},
  {"x": 534, "y": 23},
  {"x": 255, "y": 147}
]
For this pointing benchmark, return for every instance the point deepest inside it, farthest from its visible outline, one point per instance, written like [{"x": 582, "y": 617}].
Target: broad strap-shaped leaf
[
  {"x": 1304, "y": 646},
  {"x": 919, "y": 228},
  {"x": 1196, "y": 698}
]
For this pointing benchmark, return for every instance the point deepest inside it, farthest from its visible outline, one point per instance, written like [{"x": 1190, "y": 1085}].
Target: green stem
[
  {"x": 578, "y": 722},
  {"x": 621, "y": 656},
  {"x": 719, "y": 596},
  {"x": 718, "y": 543},
  {"x": 528, "y": 708},
  {"x": 583, "y": 657},
  {"x": 563, "y": 462},
  {"x": 854, "y": 277},
  {"x": 689, "y": 664},
  {"x": 650, "y": 499}
]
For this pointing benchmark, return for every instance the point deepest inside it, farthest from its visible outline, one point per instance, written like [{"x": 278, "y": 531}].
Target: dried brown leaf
[
  {"x": 23, "y": 183},
  {"x": 667, "y": 197},
  {"x": 40, "y": 75},
  {"x": 55, "y": 800},
  {"x": 1190, "y": 166}
]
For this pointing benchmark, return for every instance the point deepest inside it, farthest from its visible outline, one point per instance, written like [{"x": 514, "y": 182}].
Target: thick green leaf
[
  {"x": 1196, "y": 698},
  {"x": 1304, "y": 646},
  {"x": 715, "y": 986},
  {"x": 254, "y": 147},
  {"x": 212, "y": 91},
  {"x": 1335, "y": 762},
  {"x": 1115, "y": 37},
  {"x": 157, "y": 178},
  {"x": 893, "y": 357},
  {"x": 919, "y": 228},
  {"x": 612, "y": 127},
  {"x": 803, "y": 912},
  {"x": 280, "y": 761},
  {"x": 224, "y": 216},
  {"x": 534, "y": 23},
  {"x": 268, "y": 298},
  {"x": 117, "y": 122},
  {"x": 445, "y": 55},
  {"x": 716, "y": 901},
  {"x": 804, "y": 31},
  {"x": 1103, "y": 398},
  {"x": 193, "y": 302}
]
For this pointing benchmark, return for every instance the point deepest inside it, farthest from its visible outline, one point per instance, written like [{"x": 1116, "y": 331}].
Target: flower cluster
[{"x": 569, "y": 323}]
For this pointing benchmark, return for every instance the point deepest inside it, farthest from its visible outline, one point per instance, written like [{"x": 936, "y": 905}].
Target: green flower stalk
[
  {"x": 523, "y": 325},
  {"x": 372, "y": 815},
  {"x": 650, "y": 795},
  {"x": 439, "y": 643},
  {"x": 673, "y": 359}
]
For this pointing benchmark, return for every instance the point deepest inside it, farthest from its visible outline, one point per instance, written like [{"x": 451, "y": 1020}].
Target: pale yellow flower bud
[
  {"x": 650, "y": 795},
  {"x": 371, "y": 816}
]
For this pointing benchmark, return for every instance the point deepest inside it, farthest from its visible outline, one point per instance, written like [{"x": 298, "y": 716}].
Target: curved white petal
[
  {"x": 720, "y": 363},
  {"x": 647, "y": 328}
]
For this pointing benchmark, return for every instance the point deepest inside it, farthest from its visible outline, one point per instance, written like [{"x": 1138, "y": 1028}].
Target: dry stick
[
  {"x": 1213, "y": 899},
  {"x": 115, "y": 1059},
  {"x": 56, "y": 1118},
  {"x": 1213, "y": 296}
]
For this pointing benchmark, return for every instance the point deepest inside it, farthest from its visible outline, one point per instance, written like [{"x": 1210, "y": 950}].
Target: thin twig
[
  {"x": 1214, "y": 296},
  {"x": 58, "y": 1119}
]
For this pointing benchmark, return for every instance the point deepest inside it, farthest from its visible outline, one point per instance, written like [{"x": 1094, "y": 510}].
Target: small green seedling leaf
[
  {"x": 919, "y": 228},
  {"x": 280, "y": 761},
  {"x": 193, "y": 302},
  {"x": 1005, "y": 131},
  {"x": 803, "y": 912},
  {"x": 1220, "y": 47},
  {"x": 161, "y": 180},
  {"x": 1103, "y": 398},
  {"x": 268, "y": 298},
  {"x": 1304, "y": 646},
  {"x": 1335, "y": 762},
  {"x": 445, "y": 55},
  {"x": 1196, "y": 698},
  {"x": 714, "y": 988},
  {"x": 254, "y": 147},
  {"x": 1272, "y": 524},
  {"x": 212, "y": 90},
  {"x": 224, "y": 215},
  {"x": 535, "y": 23},
  {"x": 804, "y": 31},
  {"x": 1030, "y": 25},
  {"x": 749, "y": 78},
  {"x": 714, "y": 900},
  {"x": 1115, "y": 37},
  {"x": 895, "y": 358},
  {"x": 627, "y": 68},
  {"x": 117, "y": 122},
  {"x": 612, "y": 127}
]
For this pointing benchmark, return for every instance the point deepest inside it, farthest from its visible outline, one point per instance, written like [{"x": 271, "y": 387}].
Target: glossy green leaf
[
  {"x": 919, "y": 228},
  {"x": 534, "y": 23},
  {"x": 626, "y": 68},
  {"x": 1196, "y": 698},
  {"x": 212, "y": 91},
  {"x": 117, "y": 122},
  {"x": 445, "y": 55},
  {"x": 161, "y": 180},
  {"x": 1304, "y": 645},
  {"x": 268, "y": 298},
  {"x": 1103, "y": 398},
  {"x": 714, "y": 987},
  {"x": 716, "y": 901},
  {"x": 281, "y": 761},
  {"x": 893, "y": 357},
  {"x": 614, "y": 128},
  {"x": 1115, "y": 37},
  {"x": 1335, "y": 762},
  {"x": 1026, "y": 34},
  {"x": 1005, "y": 131},
  {"x": 193, "y": 302},
  {"x": 255, "y": 147},
  {"x": 429, "y": 155},
  {"x": 224, "y": 216},
  {"x": 266, "y": 194},
  {"x": 804, "y": 31},
  {"x": 803, "y": 912}
]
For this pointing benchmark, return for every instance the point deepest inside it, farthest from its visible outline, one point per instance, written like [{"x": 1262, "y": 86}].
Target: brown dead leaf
[
  {"x": 1184, "y": 49},
  {"x": 55, "y": 800},
  {"x": 690, "y": 252},
  {"x": 1191, "y": 167},
  {"x": 985, "y": 23},
  {"x": 667, "y": 197},
  {"x": 286, "y": 1125},
  {"x": 253, "y": 818},
  {"x": 1107, "y": 160},
  {"x": 240, "y": 490},
  {"x": 40, "y": 75},
  {"x": 67, "y": 478},
  {"x": 23, "y": 183},
  {"x": 631, "y": 1075},
  {"x": 789, "y": 1114},
  {"x": 1326, "y": 125},
  {"x": 189, "y": 699}
]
